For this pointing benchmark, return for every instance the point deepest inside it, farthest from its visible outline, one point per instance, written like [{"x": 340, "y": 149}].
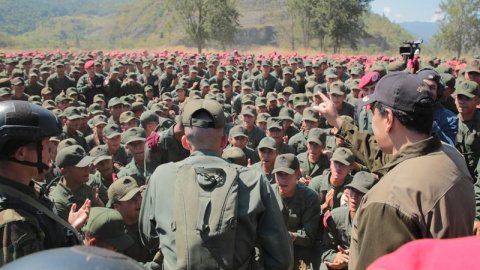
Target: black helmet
[
  {"x": 23, "y": 120},
  {"x": 75, "y": 258},
  {"x": 26, "y": 121}
]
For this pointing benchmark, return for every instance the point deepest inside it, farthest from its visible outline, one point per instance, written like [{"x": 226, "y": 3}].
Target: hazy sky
[{"x": 407, "y": 10}]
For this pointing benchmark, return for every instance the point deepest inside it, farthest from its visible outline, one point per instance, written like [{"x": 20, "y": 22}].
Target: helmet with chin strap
[{"x": 21, "y": 120}]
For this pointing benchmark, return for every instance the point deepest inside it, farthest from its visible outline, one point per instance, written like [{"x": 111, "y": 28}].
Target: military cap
[
  {"x": 288, "y": 90},
  {"x": 34, "y": 98},
  {"x": 195, "y": 94},
  {"x": 72, "y": 113},
  {"x": 215, "y": 119},
  {"x": 267, "y": 142},
  {"x": 65, "y": 143},
  {"x": 402, "y": 91},
  {"x": 260, "y": 102},
  {"x": 300, "y": 100},
  {"x": 59, "y": 64},
  {"x": 125, "y": 117},
  {"x": 369, "y": 79},
  {"x": 108, "y": 225},
  {"x": 248, "y": 98},
  {"x": 111, "y": 130},
  {"x": 444, "y": 69},
  {"x": 220, "y": 97},
  {"x": 113, "y": 102},
  {"x": 316, "y": 64},
  {"x": 310, "y": 115},
  {"x": 99, "y": 120},
  {"x": 276, "y": 63},
  {"x": 72, "y": 91},
  {"x": 473, "y": 66},
  {"x": 148, "y": 88},
  {"x": 49, "y": 104},
  {"x": 343, "y": 155},
  {"x": 237, "y": 83},
  {"x": 238, "y": 130},
  {"x": 286, "y": 113},
  {"x": 356, "y": 71},
  {"x": 73, "y": 156},
  {"x": 235, "y": 155},
  {"x": 262, "y": 117},
  {"x": 166, "y": 96},
  {"x": 134, "y": 134},
  {"x": 281, "y": 96},
  {"x": 5, "y": 82},
  {"x": 32, "y": 73},
  {"x": 310, "y": 85},
  {"x": 331, "y": 73},
  {"x": 18, "y": 81},
  {"x": 147, "y": 117},
  {"x": 317, "y": 135},
  {"x": 307, "y": 63},
  {"x": 292, "y": 60},
  {"x": 100, "y": 153},
  {"x": 287, "y": 163},
  {"x": 99, "y": 97},
  {"x": 17, "y": 73},
  {"x": 362, "y": 182},
  {"x": 266, "y": 62},
  {"x": 448, "y": 79},
  {"x": 146, "y": 65},
  {"x": 338, "y": 88},
  {"x": 95, "y": 108},
  {"x": 319, "y": 88},
  {"x": 88, "y": 64},
  {"x": 271, "y": 96},
  {"x": 274, "y": 122},
  {"x": 248, "y": 110},
  {"x": 165, "y": 123},
  {"x": 157, "y": 108},
  {"x": 287, "y": 70},
  {"x": 122, "y": 190},
  {"x": 469, "y": 89},
  {"x": 61, "y": 98},
  {"x": 180, "y": 86},
  {"x": 246, "y": 86},
  {"x": 354, "y": 84},
  {"x": 44, "y": 69},
  {"x": 210, "y": 96},
  {"x": 300, "y": 72},
  {"x": 5, "y": 91}
]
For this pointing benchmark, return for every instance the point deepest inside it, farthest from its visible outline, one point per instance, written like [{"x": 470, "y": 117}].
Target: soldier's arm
[
  {"x": 275, "y": 240},
  {"x": 310, "y": 221},
  {"x": 329, "y": 242},
  {"x": 364, "y": 146},
  {"x": 20, "y": 237},
  {"x": 82, "y": 86},
  {"x": 146, "y": 221}
]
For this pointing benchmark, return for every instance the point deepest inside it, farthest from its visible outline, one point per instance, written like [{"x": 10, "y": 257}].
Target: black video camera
[{"x": 408, "y": 52}]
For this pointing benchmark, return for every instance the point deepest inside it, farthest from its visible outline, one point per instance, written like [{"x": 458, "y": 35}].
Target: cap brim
[
  {"x": 135, "y": 139},
  {"x": 73, "y": 117},
  {"x": 331, "y": 76},
  {"x": 86, "y": 160},
  {"x": 129, "y": 194},
  {"x": 309, "y": 119},
  {"x": 315, "y": 141},
  {"x": 101, "y": 158},
  {"x": 238, "y": 135},
  {"x": 113, "y": 135},
  {"x": 121, "y": 242},
  {"x": 472, "y": 70},
  {"x": 341, "y": 160},
  {"x": 284, "y": 169},
  {"x": 300, "y": 104},
  {"x": 359, "y": 188}
]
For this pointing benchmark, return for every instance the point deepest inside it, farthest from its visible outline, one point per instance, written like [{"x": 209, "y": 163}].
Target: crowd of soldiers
[{"x": 305, "y": 126}]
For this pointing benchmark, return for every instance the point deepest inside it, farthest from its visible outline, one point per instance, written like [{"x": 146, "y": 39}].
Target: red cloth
[{"x": 432, "y": 254}]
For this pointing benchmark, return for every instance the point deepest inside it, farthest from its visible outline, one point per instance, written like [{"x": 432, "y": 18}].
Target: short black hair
[
  {"x": 10, "y": 147},
  {"x": 420, "y": 121}
]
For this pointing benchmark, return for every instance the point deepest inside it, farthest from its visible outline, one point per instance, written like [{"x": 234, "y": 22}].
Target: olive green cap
[
  {"x": 354, "y": 84},
  {"x": 61, "y": 98},
  {"x": 67, "y": 142},
  {"x": 337, "y": 88},
  {"x": 111, "y": 130},
  {"x": 122, "y": 190},
  {"x": 271, "y": 96},
  {"x": 274, "y": 122},
  {"x": 210, "y": 96},
  {"x": 286, "y": 113},
  {"x": 473, "y": 66},
  {"x": 248, "y": 98},
  {"x": 287, "y": 70},
  {"x": 468, "y": 88},
  {"x": 260, "y": 102},
  {"x": 212, "y": 107},
  {"x": 100, "y": 152},
  {"x": 444, "y": 69},
  {"x": 330, "y": 73},
  {"x": 73, "y": 155},
  {"x": 317, "y": 135},
  {"x": 114, "y": 101},
  {"x": 248, "y": 110},
  {"x": 310, "y": 114},
  {"x": 300, "y": 100},
  {"x": 98, "y": 97},
  {"x": 95, "y": 108},
  {"x": 46, "y": 90},
  {"x": 267, "y": 142},
  {"x": 72, "y": 113},
  {"x": 134, "y": 134},
  {"x": 148, "y": 88},
  {"x": 108, "y": 225},
  {"x": 343, "y": 155},
  {"x": 147, "y": 117},
  {"x": 99, "y": 120},
  {"x": 125, "y": 117},
  {"x": 18, "y": 81},
  {"x": 287, "y": 163},
  {"x": 49, "y": 104},
  {"x": 235, "y": 155},
  {"x": 4, "y": 91},
  {"x": 288, "y": 89},
  {"x": 238, "y": 130},
  {"x": 33, "y": 98},
  {"x": 362, "y": 182},
  {"x": 263, "y": 117},
  {"x": 356, "y": 71},
  {"x": 448, "y": 79}
]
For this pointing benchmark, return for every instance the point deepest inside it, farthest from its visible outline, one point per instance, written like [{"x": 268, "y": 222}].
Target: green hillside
[{"x": 129, "y": 24}]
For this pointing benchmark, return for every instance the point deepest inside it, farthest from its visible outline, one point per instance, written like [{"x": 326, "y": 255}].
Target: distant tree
[
  {"x": 459, "y": 29},
  {"x": 304, "y": 12},
  {"x": 199, "y": 19}
]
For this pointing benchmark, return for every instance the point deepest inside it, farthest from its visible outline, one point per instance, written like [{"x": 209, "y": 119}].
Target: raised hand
[{"x": 78, "y": 218}]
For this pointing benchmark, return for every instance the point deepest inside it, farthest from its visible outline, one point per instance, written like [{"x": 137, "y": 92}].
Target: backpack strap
[{"x": 30, "y": 201}]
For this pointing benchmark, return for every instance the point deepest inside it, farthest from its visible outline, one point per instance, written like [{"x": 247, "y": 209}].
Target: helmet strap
[{"x": 41, "y": 167}]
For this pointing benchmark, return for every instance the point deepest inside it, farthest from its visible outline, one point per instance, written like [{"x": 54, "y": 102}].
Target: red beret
[
  {"x": 369, "y": 79},
  {"x": 89, "y": 64}
]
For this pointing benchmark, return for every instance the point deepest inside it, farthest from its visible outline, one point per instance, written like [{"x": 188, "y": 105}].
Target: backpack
[{"x": 206, "y": 202}]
